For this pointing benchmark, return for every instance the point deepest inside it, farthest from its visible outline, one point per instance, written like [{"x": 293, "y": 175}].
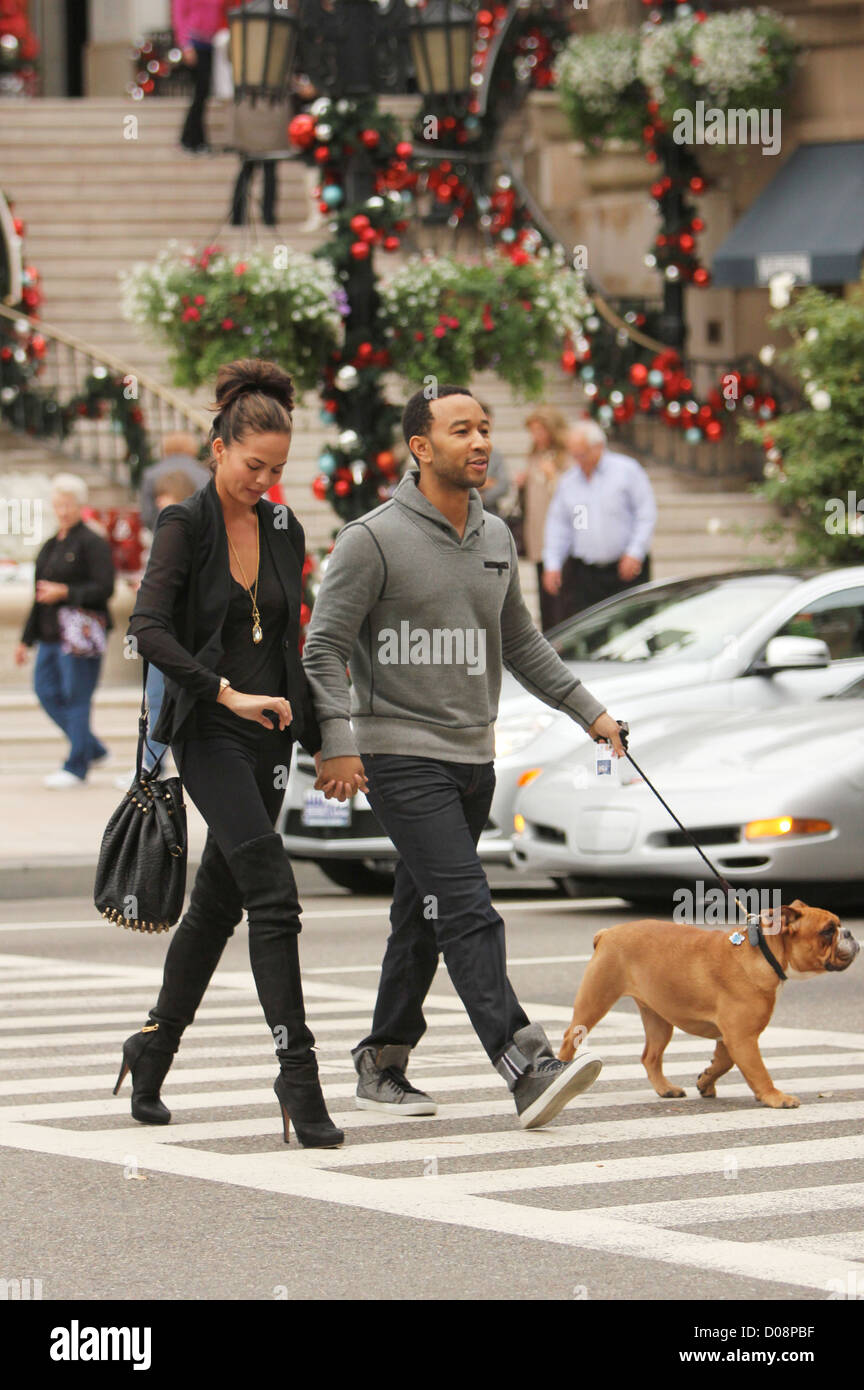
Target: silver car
[
  {"x": 775, "y": 801},
  {"x": 743, "y": 640}
]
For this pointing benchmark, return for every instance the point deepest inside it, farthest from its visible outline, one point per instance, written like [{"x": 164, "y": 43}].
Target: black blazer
[
  {"x": 184, "y": 597},
  {"x": 83, "y": 561}
]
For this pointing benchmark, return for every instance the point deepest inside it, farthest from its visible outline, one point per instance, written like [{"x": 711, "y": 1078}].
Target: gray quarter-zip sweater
[{"x": 425, "y": 619}]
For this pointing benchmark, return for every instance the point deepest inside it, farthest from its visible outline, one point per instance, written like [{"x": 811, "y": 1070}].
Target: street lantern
[
  {"x": 442, "y": 46},
  {"x": 263, "y": 46}
]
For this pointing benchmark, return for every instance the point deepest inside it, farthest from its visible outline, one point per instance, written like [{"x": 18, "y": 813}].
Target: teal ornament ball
[
  {"x": 586, "y": 373},
  {"x": 332, "y": 195},
  {"x": 327, "y": 462},
  {"x": 693, "y": 435},
  {"x": 655, "y": 378}
]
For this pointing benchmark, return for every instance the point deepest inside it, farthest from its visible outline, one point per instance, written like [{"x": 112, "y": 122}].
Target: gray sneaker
[
  {"x": 383, "y": 1084},
  {"x": 541, "y": 1084}
]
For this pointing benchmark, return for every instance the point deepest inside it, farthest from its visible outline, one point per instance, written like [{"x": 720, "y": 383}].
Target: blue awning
[{"x": 809, "y": 221}]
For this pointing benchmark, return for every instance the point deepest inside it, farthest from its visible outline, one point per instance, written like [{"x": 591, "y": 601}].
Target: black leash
[{"x": 755, "y": 934}]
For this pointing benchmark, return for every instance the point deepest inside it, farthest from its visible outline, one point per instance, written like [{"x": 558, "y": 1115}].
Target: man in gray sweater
[{"x": 421, "y": 599}]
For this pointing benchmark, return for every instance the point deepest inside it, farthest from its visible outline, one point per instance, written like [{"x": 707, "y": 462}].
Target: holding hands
[{"x": 340, "y": 778}]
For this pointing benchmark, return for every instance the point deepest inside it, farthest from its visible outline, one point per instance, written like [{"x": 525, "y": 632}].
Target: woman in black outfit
[{"x": 218, "y": 613}]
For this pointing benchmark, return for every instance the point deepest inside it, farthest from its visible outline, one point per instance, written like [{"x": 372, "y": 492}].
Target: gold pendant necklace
[{"x": 257, "y": 632}]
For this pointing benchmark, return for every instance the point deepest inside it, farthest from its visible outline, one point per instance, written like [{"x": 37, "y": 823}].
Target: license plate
[{"x": 317, "y": 810}]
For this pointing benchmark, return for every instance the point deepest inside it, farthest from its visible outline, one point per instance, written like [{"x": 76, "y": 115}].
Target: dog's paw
[
  {"x": 779, "y": 1101},
  {"x": 706, "y": 1089},
  {"x": 673, "y": 1093}
]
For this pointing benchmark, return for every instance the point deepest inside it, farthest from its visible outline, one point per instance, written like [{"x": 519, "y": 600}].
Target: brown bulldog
[{"x": 703, "y": 983}]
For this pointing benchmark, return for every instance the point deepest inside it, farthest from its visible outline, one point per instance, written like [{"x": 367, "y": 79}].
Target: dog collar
[{"x": 756, "y": 937}]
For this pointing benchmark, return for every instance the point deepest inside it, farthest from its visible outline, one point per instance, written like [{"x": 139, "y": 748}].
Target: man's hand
[
  {"x": 629, "y": 567},
  {"x": 552, "y": 581},
  {"x": 605, "y": 727},
  {"x": 190, "y": 56},
  {"x": 340, "y": 778},
  {"x": 49, "y": 592}
]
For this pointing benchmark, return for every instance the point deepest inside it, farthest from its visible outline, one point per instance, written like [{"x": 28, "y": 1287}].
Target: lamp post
[{"x": 348, "y": 48}]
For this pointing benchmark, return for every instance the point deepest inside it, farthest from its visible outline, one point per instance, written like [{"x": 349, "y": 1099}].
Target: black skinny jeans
[
  {"x": 232, "y": 776},
  {"x": 434, "y": 812}
]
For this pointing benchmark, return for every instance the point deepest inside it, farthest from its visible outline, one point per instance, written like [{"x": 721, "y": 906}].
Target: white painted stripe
[
  {"x": 193, "y": 1050},
  {"x": 85, "y": 1081},
  {"x": 226, "y": 1098},
  {"x": 431, "y": 1200},
  {"x": 645, "y": 1129},
  {"x": 846, "y": 1245},
  {"x": 652, "y": 1167},
  {"x": 47, "y": 1022},
  {"x": 511, "y": 961},
  {"x": 744, "y": 1206},
  {"x": 345, "y": 908}
]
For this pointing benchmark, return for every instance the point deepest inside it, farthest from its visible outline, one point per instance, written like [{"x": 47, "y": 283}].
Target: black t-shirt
[{"x": 255, "y": 668}]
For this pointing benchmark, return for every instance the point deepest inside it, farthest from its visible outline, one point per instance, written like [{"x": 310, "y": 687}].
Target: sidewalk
[{"x": 51, "y": 839}]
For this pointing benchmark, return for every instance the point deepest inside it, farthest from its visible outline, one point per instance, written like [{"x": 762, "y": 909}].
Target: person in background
[
  {"x": 600, "y": 524},
  {"x": 537, "y": 482},
  {"x": 497, "y": 483},
  {"x": 180, "y": 456},
  {"x": 173, "y": 487},
  {"x": 194, "y": 23},
  {"x": 74, "y": 572}
]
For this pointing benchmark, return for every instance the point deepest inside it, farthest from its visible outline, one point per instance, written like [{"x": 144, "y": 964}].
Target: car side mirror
[{"x": 793, "y": 654}]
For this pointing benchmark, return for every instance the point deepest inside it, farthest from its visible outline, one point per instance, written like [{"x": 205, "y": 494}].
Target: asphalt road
[{"x": 624, "y": 1197}]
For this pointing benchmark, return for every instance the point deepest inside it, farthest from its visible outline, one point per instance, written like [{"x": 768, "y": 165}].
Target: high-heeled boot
[
  {"x": 148, "y": 1054},
  {"x": 196, "y": 948},
  {"x": 267, "y": 886}
]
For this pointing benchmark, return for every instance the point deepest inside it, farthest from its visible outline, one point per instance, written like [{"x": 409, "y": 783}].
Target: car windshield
[{"x": 688, "y": 620}]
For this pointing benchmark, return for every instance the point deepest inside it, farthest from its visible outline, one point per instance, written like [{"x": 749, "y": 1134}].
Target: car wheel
[{"x": 357, "y": 874}]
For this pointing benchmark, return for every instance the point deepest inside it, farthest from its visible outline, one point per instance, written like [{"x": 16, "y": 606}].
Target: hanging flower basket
[
  {"x": 449, "y": 320},
  {"x": 283, "y": 305}
]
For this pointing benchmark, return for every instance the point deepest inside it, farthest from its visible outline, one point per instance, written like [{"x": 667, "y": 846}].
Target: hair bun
[{"x": 253, "y": 374}]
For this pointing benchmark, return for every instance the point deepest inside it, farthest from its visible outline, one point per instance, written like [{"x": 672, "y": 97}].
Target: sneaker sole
[
  {"x": 562, "y": 1090},
  {"x": 409, "y": 1107}
]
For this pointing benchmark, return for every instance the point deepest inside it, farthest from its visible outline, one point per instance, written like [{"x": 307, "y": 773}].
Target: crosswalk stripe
[
  {"x": 847, "y": 1245},
  {"x": 583, "y": 1229},
  {"x": 229, "y": 1096},
  {"x": 745, "y": 1206},
  {"x": 87, "y": 1081}
]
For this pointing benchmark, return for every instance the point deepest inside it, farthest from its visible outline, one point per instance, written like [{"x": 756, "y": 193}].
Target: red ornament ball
[
  {"x": 371, "y": 139},
  {"x": 301, "y": 131},
  {"x": 341, "y": 487},
  {"x": 701, "y": 276},
  {"x": 360, "y": 250},
  {"x": 319, "y": 487},
  {"x": 638, "y": 373}
]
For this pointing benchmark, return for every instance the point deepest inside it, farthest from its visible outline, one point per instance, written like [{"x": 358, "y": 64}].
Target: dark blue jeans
[
  {"x": 434, "y": 812},
  {"x": 64, "y": 687}
]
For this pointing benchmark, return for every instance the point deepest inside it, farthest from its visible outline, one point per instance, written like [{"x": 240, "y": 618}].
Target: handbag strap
[{"x": 167, "y": 823}]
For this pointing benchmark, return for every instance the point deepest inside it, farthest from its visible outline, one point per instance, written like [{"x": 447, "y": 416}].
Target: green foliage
[
  {"x": 282, "y": 305},
  {"x": 822, "y": 444},
  {"x": 450, "y": 319}
]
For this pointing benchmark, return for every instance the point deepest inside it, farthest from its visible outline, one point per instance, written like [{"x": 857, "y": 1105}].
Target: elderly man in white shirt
[{"x": 599, "y": 524}]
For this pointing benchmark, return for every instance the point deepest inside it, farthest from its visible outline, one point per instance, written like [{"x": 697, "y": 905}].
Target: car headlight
[{"x": 513, "y": 736}]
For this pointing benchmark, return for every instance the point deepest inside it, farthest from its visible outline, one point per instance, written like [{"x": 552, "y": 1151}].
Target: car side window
[{"x": 836, "y": 619}]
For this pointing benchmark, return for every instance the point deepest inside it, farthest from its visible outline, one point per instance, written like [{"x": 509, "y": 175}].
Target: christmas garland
[{"x": 19, "y": 49}]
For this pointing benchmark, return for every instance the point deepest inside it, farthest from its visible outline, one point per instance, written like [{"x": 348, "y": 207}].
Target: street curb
[{"x": 61, "y": 878}]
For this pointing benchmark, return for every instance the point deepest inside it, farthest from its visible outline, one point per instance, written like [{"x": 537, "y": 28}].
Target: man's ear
[{"x": 420, "y": 454}]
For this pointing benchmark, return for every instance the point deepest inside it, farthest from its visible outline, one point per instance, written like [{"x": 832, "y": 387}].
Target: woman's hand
[
  {"x": 22, "y": 652},
  {"x": 253, "y": 707},
  {"x": 49, "y": 592},
  {"x": 190, "y": 56}
]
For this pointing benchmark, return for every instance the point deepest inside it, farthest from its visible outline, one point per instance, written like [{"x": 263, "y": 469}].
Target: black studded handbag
[{"x": 141, "y": 874}]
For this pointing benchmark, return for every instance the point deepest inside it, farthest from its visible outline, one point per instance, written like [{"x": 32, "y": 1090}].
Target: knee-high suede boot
[
  {"x": 268, "y": 890},
  {"x": 215, "y": 908}
]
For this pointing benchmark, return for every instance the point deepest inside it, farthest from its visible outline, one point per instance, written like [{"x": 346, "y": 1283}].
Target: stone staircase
[{"x": 95, "y": 202}]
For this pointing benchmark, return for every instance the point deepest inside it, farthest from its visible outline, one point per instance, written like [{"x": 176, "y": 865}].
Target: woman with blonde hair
[{"x": 547, "y": 460}]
